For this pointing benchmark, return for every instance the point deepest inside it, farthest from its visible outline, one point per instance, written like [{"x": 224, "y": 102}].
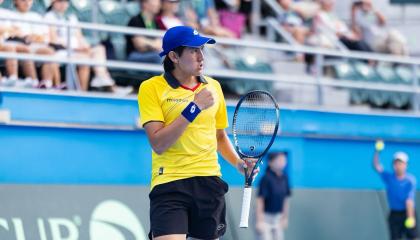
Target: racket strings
[{"x": 256, "y": 120}]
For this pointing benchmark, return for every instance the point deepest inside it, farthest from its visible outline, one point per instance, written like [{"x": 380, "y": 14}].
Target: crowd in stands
[
  {"x": 316, "y": 24},
  {"x": 309, "y": 22}
]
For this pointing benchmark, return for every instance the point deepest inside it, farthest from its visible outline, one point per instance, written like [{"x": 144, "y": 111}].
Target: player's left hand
[
  {"x": 284, "y": 222},
  {"x": 248, "y": 164}
]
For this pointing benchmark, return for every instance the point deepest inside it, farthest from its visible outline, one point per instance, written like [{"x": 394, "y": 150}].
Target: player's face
[
  {"x": 278, "y": 163},
  {"x": 400, "y": 167},
  {"x": 191, "y": 61},
  {"x": 23, "y": 5}
]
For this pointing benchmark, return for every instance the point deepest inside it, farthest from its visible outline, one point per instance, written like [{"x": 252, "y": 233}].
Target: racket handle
[{"x": 246, "y": 204}]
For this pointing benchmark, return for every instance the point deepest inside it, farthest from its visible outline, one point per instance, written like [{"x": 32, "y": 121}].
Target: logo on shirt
[
  {"x": 177, "y": 100},
  {"x": 195, "y": 32},
  {"x": 220, "y": 227},
  {"x": 192, "y": 110}
]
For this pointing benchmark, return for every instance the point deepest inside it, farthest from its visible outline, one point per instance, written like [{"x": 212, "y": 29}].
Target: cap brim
[
  {"x": 163, "y": 53},
  {"x": 195, "y": 43},
  {"x": 199, "y": 41}
]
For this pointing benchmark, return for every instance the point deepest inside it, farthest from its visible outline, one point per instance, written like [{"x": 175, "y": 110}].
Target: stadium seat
[
  {"x": 347, "y": 71},
  {"x": 46, "y": 2},
  {"x": 114, "y": 12},
  {"x": 8, "y": 4},
  {"x": 405, "y": 74},
  {"x": 133, "y": 8},
  {"x": 344, "y": 70},
  {"x": 83, "y": 10},
  {"x": 387, "y": 74},
  {"x": 368, "y": 73}
]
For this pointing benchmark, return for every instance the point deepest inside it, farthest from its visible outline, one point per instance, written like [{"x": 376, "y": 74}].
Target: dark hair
[
  {"x": 271, "y": 156},
  {"x": 168, "y": 65}
]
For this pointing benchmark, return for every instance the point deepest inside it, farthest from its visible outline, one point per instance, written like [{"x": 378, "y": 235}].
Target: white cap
[{"x": 402, "y": 156}]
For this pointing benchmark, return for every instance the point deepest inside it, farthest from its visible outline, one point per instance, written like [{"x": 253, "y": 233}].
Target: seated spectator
[
  {"x": 33, "y": 38},
  {"x": 370, "y": 24},
  {"x": 232, "y": 15},
  {"x": 167, "y": 17},
  {"x": 140, "y": 48},
  {"x": 328, "y": 29},
  {"x": 202, "y": 15},
  {"x": 292, "y": 21},
  {"x": 11, "y": 64},
  {"x": 79, "y": 46}
]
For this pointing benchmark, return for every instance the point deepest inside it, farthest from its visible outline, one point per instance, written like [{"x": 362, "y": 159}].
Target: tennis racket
[{"x": 254, "y": 128}]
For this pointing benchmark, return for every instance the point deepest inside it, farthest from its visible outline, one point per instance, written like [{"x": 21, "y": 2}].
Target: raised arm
[
  {"x": 376, "y": 163},
  {"x": 163, "y": 137}
]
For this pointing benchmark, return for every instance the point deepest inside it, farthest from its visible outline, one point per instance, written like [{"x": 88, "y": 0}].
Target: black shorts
[
  {"x": 193, "y": 206},
  {"x": 397, "y": 227}
]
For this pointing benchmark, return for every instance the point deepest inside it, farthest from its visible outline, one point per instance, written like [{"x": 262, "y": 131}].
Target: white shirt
[
  {"x": 31, "y": 28},
  {"x": 5, "y": 13},
  {"x": 171, "y": 22},
  {"x": 62, "y": 32},
  {"x": 367, "y": 22},
  {"x": 332, "y": 23}
]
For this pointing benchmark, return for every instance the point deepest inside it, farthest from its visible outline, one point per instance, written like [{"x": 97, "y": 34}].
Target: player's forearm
[
  {"x": 376, "y": 164},
  {"x": 225, "y": 148},
  {"x": 165, "y": 137},
  {"x": 410, "y": 208}
]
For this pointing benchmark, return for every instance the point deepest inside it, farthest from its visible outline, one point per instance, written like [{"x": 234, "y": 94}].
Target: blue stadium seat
[
  {"x": 114, "y": 12},
  {"x": 344, "y": 70},
  {"x": 387, "y": 74},
  {"x": 8, "y": 4},
  {"x": 368, "y": 73},
  {"x": 133, "y": 8},
  {"x": 405, "y": 74}
]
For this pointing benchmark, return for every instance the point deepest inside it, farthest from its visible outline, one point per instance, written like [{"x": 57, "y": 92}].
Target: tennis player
[
  {"x": 184, "y": 115},
  {"x": 400, "y": 191}
]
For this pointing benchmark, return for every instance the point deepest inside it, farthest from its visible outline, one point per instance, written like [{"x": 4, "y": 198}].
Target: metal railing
[{"x": 318, "y": 79}]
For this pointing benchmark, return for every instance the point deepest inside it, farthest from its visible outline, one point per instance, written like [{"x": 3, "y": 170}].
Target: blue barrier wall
[{"x": 327, "y": 149}]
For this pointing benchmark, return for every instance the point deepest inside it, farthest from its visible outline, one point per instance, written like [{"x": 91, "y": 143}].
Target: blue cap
[{"x": 183, "y": 36}]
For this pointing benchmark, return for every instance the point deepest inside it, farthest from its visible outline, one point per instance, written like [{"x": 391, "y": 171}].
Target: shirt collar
[{"x": 174, "y": 83}]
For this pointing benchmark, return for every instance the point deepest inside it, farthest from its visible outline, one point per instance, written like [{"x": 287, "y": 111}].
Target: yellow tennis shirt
[{"x": 161, "y": 98}]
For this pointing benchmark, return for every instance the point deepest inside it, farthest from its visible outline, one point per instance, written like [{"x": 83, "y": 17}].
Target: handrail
[
  {"x": 317, "y": 80},
  {"x": 238, "y": 43},
  {"x": 287, "y": 79}
]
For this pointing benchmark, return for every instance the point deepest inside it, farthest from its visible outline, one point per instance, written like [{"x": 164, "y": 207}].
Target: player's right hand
[
  {"x": 260, "y": 227},
  {"x": 204, "y": 99}
]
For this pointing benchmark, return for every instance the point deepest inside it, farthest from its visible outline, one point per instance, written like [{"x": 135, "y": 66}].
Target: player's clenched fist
[{"x": 204, "y": 99}]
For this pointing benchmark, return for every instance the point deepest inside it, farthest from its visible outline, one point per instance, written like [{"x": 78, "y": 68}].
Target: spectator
[
  {"x": 370, "y": 24},
  {"x": 292, "y": 21},
  {"x": 33, "y": 38},
  {"x": 11, "y": 64},
  {"x": 401, "y": 191},
  {"x": 144, "y": 49},
  {"x": 202, "y": 14},
  {"x": 272, "y": 201},
  {"x": 232, "y": 15},
  {"x": 79, "y": 46},
  {"x": 329, "y": 29},
  {"x": 167, "y": 17}
]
